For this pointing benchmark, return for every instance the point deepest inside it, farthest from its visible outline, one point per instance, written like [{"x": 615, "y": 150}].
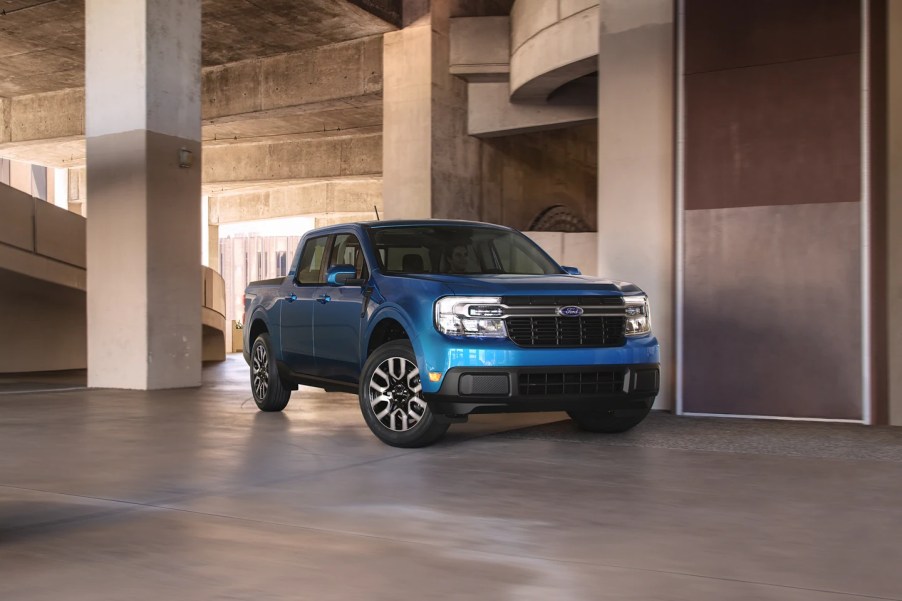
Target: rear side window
[{"x": 310, "y": 267}]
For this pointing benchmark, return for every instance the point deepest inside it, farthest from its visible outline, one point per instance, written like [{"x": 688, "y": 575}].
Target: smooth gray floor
[{"x": 195, "y": 495}]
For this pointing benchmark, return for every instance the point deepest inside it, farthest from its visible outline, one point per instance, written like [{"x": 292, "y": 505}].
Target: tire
[
  {"x": 391, "y": 401},
  {"x": 610, "y": 421},
  {"x": 270, "y": 392}
]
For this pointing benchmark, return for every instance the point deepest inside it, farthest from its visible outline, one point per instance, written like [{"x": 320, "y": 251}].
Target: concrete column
[
  {"x": 635, "y": 160},
  {"x": 894, "y": 210},
  {"x": 407, "y": 122},
  {"x": 143, "y": 60},
  {"x": 213, "y": 247},
  {"x": 431, "y": 165}
]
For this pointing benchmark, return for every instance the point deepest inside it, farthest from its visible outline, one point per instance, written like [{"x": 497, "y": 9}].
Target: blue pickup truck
[{"x": 430, "y": 321}]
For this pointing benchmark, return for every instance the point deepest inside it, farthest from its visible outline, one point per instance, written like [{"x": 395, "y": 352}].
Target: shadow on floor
[
  {"x": 43, "y": 381},
  {"x": 757, "y": 436}
]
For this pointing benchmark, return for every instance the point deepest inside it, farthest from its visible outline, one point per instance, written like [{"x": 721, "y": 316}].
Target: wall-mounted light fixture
[{"x": 186, "y": 158}]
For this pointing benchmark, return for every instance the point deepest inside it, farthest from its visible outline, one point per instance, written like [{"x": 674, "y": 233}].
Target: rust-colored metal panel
[
  {"x": 773, "y": 311},
  {"x": 774, "y": 135},
  {"x": 727, "y": 34}
]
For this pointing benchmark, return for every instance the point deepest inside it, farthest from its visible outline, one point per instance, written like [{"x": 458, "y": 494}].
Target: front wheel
[
  {"x": 270, "y": 393},
  {"x": 391, "y": 398},
  {"x": 610, "y": 421}
]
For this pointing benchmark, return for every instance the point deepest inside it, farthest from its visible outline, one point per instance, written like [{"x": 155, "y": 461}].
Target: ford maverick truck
[{"x": 431, "y": 321}]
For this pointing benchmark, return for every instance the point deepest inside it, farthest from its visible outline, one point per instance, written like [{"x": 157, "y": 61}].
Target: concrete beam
[
  {"x": 347, "y": 196},
  {"x": 54, "y": 152},
  {"x": 480, "y": 48},
  {"x": 333, "y": 87},
  {"x": 295, "y": 157},
  {"x": 387, "y": 10},
  {"x": 490, "y": 113},
  {"x": 328, "y": 116},
  {"x": 337, "y": 218},
  {"x": 50, "y": 115},
  {"x": 321, "y": 74}
]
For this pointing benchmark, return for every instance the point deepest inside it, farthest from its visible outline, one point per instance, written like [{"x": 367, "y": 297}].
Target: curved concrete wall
[
  {"x": 42, "y": 289},
  {"x": 552, "y": 42},
  {"x": 213, "y": 316}
]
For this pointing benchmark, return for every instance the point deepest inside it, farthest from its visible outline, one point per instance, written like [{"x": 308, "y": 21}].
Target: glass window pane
[{"x": 310, "y": 265}]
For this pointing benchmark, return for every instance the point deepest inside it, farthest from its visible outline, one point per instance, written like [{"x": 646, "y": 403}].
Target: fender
[
  {"x": 259, "y": 314},
  {"x": 392, "y": 311}
]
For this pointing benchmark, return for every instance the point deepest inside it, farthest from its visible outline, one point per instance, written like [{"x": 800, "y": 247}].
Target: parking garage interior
[{"x": 739, "y": 160}]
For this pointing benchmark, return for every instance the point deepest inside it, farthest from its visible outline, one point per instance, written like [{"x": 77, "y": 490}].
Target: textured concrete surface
[
  {"x": 196, "y": 495},
  {"x": 552, "y": 43},
  {"x": 43, "y": 45},
  {"x": 636, "y": 160}
]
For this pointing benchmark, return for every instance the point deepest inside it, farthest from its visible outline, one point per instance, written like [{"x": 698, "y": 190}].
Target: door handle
[
  {"x": 291, "y": 298},
  {"x": 324, "y": 299}
]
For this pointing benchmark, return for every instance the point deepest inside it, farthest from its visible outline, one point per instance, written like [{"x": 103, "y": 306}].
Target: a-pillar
[
  {"x": 635, "y": 160},
  {"x": 143, "y": 60}
]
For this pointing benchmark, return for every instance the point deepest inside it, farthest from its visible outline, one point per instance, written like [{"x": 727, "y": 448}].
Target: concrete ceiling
[{"x": 42, "y": 42}]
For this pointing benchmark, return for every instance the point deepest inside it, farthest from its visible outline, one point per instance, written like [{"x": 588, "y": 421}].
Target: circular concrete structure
[{"x": 552, "y": 42}]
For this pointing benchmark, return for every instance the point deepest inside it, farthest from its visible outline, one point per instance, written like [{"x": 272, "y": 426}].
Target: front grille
[
  {"x": 566, "y": 331},
  {"x": 570, "y": 383}
]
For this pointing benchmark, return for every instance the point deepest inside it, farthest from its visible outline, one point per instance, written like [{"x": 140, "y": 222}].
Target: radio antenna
[{"x": 377, "y": 213}]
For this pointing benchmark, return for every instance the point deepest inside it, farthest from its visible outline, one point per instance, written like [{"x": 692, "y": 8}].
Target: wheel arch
[
  {"x": 257, "y": 326},
  {"x": 389, "y": 325}
]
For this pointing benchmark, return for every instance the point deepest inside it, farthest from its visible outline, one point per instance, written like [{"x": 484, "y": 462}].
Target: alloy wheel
[
  {"x": 261, "y": 371},
  {"x": 394, "y": 391}
]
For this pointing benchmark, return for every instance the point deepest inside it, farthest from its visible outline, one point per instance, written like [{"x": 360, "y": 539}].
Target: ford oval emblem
[{"x": 570, "y": 311}]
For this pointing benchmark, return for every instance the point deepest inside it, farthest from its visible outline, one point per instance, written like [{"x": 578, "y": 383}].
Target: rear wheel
[
  {"x": 391, "y": 398},
  {"x": 610, "y": 421},
  {"x": 270, "y": 392}
]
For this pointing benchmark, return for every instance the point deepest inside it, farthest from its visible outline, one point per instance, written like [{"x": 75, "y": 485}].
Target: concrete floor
[{"x": 196, "y": 495}]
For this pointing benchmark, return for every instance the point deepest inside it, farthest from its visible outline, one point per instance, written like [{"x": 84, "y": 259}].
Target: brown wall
[
  {"x": 772, "y": 186},
  {"x": 524, "y": 174}
]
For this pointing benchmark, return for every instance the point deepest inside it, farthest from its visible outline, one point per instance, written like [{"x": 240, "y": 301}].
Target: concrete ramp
[{"x": 43, "y": 289}]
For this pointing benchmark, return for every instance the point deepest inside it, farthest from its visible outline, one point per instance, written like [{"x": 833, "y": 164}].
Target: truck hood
[{"x": 501, "y": 284}]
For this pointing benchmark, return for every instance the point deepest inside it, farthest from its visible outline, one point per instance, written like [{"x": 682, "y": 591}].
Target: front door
[
  {"x": 337, "y": 315},
  {"x": 298, "y": 300}
]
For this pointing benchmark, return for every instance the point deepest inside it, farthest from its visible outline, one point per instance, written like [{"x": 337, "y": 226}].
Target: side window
[
  {"x": 311, "y": 263},
  {"x": 346, "y": 251}
]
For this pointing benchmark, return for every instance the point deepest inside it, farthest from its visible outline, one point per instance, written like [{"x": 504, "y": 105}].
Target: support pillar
[
  {"x": 407, "y": 122},
  {"x": 894, "y": 209},
  {"x": 143, "y": 60},
  {"x": 431, "y": 165},
  {"x": 635, "y": 160}
]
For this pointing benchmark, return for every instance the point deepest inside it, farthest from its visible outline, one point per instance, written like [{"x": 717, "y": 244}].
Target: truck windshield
[{"x": 465, "y": 250}]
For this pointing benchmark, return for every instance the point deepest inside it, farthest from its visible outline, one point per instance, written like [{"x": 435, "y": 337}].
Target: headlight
[
  {"x": 638, "y": 315},
  {"x": 470, "y": 316}
]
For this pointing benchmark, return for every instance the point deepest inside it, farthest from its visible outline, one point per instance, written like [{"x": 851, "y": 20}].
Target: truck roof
[{"x": 409, "y": 223}]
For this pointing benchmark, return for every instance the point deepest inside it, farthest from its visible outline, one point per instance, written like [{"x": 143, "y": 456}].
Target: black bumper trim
[{"x": 635, "y": 389}]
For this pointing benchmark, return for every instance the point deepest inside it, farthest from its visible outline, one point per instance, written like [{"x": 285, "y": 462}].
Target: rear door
[
  {"x": 337, "y": 315},
  {"x": 297, "y": 307}
]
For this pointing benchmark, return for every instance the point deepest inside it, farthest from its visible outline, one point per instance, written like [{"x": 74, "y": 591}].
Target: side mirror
[
  {"x": 342, "y": 275},
  {"x": 571, "y": 270}
]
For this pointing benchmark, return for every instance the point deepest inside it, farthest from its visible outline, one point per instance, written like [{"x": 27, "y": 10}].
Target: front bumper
[{"x": 621, "y": 389}]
